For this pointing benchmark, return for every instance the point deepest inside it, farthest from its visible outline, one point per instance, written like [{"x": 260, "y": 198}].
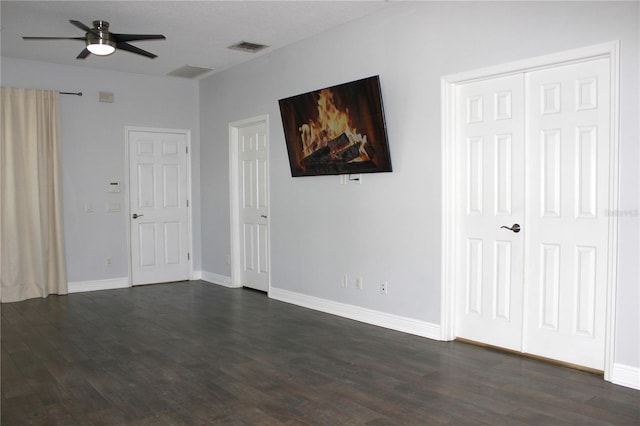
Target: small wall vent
[{"x": 246, "y": 46}]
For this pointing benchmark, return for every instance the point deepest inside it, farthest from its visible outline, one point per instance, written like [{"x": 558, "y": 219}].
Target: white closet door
[
  {"x": 490, "y": 135},
  {"x": 533, "y": 149},
  {"x": 568, "y": 167},
  {"x": 254, "y": 199}
]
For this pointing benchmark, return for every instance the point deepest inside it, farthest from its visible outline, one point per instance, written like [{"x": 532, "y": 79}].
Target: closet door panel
[
  {"x": 567, "y": 228},
  {"x": 491, "y": 195}
]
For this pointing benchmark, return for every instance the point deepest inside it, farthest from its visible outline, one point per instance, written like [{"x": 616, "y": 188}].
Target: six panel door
[
  {"x": 253, "y": 186},
  {"x": 158, "y": 205},
  {"x": 490, "y": 168},
  {"x": 568, "y": 155}
]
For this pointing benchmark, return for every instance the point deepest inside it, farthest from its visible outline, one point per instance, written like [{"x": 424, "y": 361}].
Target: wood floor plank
[{"x": 194, "y": 353}]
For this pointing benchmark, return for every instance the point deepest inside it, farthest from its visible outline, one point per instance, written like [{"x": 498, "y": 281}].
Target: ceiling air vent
[
  {"x": 246, "y": 46},
  {"x": 189, "y": 71}
]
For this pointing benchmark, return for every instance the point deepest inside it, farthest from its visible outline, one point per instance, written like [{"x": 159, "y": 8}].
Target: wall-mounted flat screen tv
[{"x": 337, "y": 130}]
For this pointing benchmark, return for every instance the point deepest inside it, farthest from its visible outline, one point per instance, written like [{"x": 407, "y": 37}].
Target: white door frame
[
  {"x": 234, "y": 179},
  {"x": 127, "y": 131},
  {"x": 449, "y": 182}
]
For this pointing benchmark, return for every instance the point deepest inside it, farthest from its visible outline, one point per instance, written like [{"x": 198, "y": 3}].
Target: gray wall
[
  {"x": 93, "y": 152},
  {"x": 388, "y": 228}
]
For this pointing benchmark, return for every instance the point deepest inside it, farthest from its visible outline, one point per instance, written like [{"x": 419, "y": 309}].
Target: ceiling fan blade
[
  {"x": 134, "y": 37},
  {"x": 82, "y": 26},
  {"x": 54, "y": 38},
  {"x": 83, "y": 54},
  {"x": 133, "y": 49}
]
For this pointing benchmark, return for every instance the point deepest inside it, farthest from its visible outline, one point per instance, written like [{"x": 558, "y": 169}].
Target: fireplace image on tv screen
[{"x": 337, "y": 130}]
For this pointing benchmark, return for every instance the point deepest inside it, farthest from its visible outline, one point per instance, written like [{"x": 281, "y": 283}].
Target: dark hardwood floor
[{"x": 197, "y": 353}]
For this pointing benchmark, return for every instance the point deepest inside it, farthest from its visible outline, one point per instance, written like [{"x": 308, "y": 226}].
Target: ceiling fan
[{"x": 101, "y": 42}]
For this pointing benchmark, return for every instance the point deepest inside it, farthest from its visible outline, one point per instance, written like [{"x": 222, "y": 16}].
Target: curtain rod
[{"x": 71, "y": 93}]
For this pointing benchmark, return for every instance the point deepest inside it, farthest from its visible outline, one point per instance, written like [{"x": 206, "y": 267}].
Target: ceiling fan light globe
[{"x": 101, "y": 47}]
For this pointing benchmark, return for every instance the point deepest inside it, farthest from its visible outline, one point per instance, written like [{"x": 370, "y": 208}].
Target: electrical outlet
[
  {"x": 383, "y": 287},
  {"x": 359, "y": 283},
  {"x": 108, "y": 261},
  {"x": 345, "y": 281}
]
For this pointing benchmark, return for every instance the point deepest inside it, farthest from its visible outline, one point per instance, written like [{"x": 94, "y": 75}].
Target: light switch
[{"x": 113, "y": 207}]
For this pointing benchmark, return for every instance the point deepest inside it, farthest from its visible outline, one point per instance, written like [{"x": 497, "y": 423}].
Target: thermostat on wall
[{"x": 114, "y": 187}]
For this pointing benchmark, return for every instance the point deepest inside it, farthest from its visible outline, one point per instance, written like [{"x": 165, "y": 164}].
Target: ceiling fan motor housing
[{"x": 100, "y": 35}]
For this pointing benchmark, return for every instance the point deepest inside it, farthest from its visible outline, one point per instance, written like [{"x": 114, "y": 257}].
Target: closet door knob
[{"x": 136, "y": 215}]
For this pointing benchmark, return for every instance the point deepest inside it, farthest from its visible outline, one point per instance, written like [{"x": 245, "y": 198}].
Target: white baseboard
[
  {"x": 110, "y": 284},
  {"x": 214, "y": 278},
  {"x": 626, "y": 375},
  {"x": 381, "y": 319}
]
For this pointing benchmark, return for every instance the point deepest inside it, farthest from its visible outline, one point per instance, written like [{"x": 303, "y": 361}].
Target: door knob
[
  {"x": 136, "y": 215},
  {"x": 264, "y": 216},
  {"x": 515, "y": 228}
]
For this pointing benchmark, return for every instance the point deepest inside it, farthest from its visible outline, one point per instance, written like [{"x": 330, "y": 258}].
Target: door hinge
[
  {"x": 186, "y": 149},
  {"x": 188, "y": 256},
  {"x": 187, "y": 203}
]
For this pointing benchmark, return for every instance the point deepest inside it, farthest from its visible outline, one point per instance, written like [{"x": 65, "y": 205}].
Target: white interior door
[
  {"x": 568, "y": 156},
  {"x": 253, "y": 198},
  {"x": 158, "y": 202},
  {"x": 491, "y": 163},
  {"x": 533, "y": 149}
]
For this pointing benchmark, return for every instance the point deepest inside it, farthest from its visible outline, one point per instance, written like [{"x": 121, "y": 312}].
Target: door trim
[
  {"x": 234, "y": 200},
  {"x": 127, "y": 208},
  {"x": 449, "y": 223}
]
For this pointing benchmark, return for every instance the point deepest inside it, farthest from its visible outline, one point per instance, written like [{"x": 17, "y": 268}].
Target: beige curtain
[{"x": 32, "y": 261}]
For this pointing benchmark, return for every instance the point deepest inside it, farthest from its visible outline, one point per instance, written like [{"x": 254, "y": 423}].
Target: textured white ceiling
[{"x": 198, "y": 32}]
